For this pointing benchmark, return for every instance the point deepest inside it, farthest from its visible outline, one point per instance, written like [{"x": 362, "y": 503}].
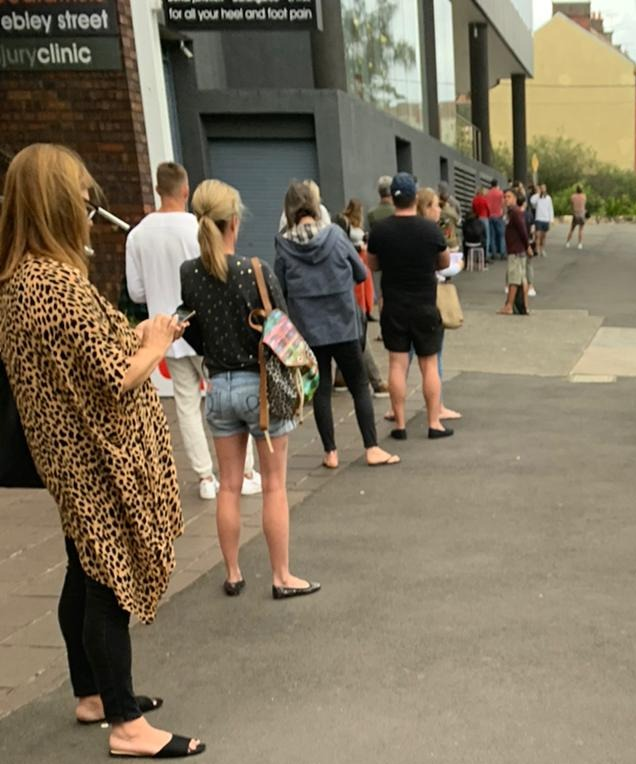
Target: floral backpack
[{"x": 288, "y": 368}]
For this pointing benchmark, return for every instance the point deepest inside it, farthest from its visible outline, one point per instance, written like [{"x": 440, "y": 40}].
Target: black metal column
[
  {"x": 519, "y": 140},
  {"x": 430, "y": 67},
  {"x": 327, "y": 49},
  {"x": 478, "y": 47}
]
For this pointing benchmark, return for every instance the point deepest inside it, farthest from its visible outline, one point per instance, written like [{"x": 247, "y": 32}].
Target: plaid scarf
[{"x": 301, "y": 234}]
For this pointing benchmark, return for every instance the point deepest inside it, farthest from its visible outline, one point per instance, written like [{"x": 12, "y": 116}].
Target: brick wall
[{"x": 100, "y": 115}]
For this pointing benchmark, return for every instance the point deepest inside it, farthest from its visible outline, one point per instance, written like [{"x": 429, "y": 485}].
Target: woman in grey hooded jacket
[{"x": 317, "y": 265}]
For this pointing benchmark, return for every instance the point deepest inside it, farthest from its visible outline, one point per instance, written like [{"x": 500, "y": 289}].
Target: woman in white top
[{"x": 543, "y": 216}]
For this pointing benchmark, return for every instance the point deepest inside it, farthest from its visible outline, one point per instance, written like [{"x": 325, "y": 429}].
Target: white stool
[{"x": 476, "y": 257}]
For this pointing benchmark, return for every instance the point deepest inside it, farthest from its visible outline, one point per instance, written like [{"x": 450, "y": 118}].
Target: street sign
[
  {"x": 264, "y": 15},
  {"x": 51, "y": 35}
]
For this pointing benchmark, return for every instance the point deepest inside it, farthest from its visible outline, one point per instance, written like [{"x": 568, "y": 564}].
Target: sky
[{"x": 619, "y": 15}]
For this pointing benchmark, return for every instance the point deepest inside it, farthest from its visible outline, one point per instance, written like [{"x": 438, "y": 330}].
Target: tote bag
[{"x": 449, "y": 306}]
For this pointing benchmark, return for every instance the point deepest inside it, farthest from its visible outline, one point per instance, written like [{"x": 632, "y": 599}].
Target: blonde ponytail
[
  {"x": 215, "y": 204},
  {"x": 212, "y": 249}
]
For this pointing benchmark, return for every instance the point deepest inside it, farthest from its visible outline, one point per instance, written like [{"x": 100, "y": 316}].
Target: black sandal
[
  {"x": 145, "y": 704},
  {"x": 177, "y": 747}
]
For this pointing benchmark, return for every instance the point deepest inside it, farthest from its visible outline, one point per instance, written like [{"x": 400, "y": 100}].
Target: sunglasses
[{"x": 91, "y": 210}]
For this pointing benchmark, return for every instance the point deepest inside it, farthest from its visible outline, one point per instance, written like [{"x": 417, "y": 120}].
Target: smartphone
[{"x": 184, "y": 315}]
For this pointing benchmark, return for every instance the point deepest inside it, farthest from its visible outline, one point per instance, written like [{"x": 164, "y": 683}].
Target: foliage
[
  {"x": 564, "y": 163},
  {"x": 372, "y": 50},
  {"x": 502, "y": 159}
]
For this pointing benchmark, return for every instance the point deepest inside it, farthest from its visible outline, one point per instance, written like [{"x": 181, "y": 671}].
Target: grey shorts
[
  {"x": 517, "y": 269},
  {"x": 232, "y": 407}
]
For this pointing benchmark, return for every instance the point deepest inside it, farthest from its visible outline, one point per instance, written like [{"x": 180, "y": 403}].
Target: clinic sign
[
  {"x": 54, "y": 35},
  {"x": 243, "y": 14}
]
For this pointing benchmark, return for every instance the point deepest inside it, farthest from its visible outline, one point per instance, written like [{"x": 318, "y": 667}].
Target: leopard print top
[{"x": 105, "y": 455}]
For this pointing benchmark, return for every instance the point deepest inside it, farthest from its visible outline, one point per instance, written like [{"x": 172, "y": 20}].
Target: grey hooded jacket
[{"x": 317, "y": 279}]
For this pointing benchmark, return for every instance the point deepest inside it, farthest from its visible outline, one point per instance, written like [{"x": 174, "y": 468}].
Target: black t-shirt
[
  {"x": 407, "y": 248},
  {"x": 220, "y": 326}
]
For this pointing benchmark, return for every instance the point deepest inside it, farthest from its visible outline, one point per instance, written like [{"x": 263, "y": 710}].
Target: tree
[
  {"x": 372, "y": 50},
  {"x": 502, "y": 159},
  {"x": 562, "y": 161}
]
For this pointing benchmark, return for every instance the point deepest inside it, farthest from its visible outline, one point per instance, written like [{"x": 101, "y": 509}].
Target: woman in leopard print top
[{"x": 97, "y": 434}]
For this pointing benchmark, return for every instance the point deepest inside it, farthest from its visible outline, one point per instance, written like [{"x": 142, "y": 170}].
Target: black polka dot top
[{"x": 225, "y": 339}]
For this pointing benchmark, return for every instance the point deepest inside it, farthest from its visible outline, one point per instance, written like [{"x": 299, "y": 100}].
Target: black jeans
[
  {"x": 95, "y": 629},
  {"x": 348, "y": 357}
]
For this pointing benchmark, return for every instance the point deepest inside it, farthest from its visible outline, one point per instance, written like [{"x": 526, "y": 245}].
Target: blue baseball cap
[{"x": 404, "y": 186}]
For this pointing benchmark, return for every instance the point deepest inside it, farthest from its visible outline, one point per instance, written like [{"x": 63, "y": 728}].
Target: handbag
[
  {"x": 449, "y": 306},
  {"x": 17, "y": 469},
  {"x": 287, "y": 366}
]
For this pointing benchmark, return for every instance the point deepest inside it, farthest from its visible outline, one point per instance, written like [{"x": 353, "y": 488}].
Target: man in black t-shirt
[{"x": 408, "y": 250}]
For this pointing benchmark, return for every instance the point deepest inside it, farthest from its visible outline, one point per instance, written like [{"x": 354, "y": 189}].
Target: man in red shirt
[
  {"x": 494, "y": 199},
  {"x": 480, "y": 208},
  {"x": 519, "y": 250}
]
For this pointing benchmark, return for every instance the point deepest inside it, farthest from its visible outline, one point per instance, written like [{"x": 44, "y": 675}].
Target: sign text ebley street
[{"x": 59, "y": 34}]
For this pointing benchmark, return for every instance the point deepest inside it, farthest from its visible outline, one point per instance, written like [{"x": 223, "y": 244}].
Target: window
[{"x": 382, "y": 48}]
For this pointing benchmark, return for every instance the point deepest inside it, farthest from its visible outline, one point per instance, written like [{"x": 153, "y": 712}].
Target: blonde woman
[
  {"x": 220, "y": 286},
  {"x": 429, "y": 207},
  {"x": 97, "y": 433}
]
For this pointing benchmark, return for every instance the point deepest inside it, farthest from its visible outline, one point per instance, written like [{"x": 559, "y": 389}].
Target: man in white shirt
[
  {"x": 543, "y": 216},
  {"x": 155, "y": 250}
]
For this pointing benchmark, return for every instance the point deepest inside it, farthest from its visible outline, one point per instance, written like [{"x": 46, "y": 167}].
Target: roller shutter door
[{"x": 261, "y": 171}]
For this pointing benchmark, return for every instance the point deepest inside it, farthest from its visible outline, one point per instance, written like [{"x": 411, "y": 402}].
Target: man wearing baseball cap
[{"x": 408, "y": 250}]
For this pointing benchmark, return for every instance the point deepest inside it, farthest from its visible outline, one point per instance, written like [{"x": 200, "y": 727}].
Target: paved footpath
[{"x": 478, "y": 599}]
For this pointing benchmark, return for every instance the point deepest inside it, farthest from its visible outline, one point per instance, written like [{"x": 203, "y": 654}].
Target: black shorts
[{"x": 419, "y": 326}]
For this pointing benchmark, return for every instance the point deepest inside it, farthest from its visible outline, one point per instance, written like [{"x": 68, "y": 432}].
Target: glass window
[
  {"x": 382, "y": 47},
  {"x": 445, "y": 61}
]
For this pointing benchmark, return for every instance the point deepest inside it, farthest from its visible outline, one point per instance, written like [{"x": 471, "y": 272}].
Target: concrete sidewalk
[
  {"x": 477, "y": 600},
  {"x": 33, "y": 561}
]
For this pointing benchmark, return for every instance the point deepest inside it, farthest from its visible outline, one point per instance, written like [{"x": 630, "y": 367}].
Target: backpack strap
[{"x": 263, "y": 292}]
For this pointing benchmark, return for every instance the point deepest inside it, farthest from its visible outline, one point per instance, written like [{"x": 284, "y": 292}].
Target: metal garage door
[{"x": 261, "y": 171}]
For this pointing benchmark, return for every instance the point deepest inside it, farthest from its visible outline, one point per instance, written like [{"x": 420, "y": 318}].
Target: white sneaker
[
  {"x": 252, "y": 485},
  {"x": 532, "y": 292},
  {"x": 567, "y": 245},
  {"x": 208, "y": 488},
  {"x": 580, "y": 246}
]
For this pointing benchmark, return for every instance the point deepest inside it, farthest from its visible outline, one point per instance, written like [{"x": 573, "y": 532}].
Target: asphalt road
[{"x": 477, "y": 602}]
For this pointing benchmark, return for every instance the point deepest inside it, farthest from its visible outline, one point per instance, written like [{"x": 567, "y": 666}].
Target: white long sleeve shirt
[
  {"x": 544, "y": 211},
  {"x": 155, "y": 250}
]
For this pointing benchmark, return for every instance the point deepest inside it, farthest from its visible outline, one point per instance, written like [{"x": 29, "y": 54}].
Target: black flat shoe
[
  {"x": 399, "y": 434},
  {"x": 284, "y": 592},
  {"x": 435, "y": 434},
  {"x": 145, "y": 704},
  {"x": 233, "y": 588},
  {"x": 178, "y": 747}
]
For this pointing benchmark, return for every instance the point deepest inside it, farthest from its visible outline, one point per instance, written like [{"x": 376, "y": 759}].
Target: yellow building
[{"x": 583, "y": 88}]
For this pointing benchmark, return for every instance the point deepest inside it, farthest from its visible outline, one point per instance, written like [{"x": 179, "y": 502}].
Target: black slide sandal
[{"x": 178, "y": 747}]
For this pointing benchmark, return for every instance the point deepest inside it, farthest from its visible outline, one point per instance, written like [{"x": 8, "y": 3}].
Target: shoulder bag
[
  {"x": 449, "y": 306},
  {"x": 287, "y": 366}
]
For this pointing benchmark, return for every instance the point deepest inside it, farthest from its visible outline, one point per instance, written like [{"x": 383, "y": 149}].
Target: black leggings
[
  {"x": 348, "y": 357},
  {"x": 95, "y": 629}
]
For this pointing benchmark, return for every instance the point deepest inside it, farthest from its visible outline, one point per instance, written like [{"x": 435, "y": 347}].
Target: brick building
[{"x": 100, "y": 115}]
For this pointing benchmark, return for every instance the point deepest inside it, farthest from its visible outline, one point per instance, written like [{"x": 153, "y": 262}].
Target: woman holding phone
[{"x": 98, "y": 437}]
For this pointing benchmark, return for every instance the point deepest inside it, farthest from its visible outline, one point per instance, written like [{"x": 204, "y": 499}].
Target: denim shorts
[{"x": 232, "y": 407}]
